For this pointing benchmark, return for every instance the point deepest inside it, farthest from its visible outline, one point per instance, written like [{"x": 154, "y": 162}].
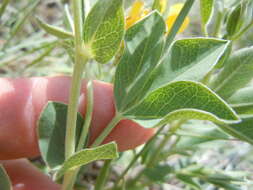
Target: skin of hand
[
  {"x": 22, "y": 100},
  {"x": 25, "y": 176}
]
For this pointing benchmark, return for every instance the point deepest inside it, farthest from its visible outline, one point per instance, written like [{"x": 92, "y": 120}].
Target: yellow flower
[
  {"x": 173, "y": 13},
  {"x": 136, "y": 13},
  {"x": 163, "y": 5}
]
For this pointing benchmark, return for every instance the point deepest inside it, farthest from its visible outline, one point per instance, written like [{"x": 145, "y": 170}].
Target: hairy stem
[
  {"x": 88, "y": 116},
  {"x": 81, "y": 58},
  {"x": 107, "y": 130}
]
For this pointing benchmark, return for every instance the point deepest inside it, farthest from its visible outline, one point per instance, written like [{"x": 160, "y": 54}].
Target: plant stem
[
  {"x": 81, "y": 58},
  {"x": 73, "y": 107},
  {"x": 100, "y": 182},
  {"x": 218, "y": 24},
  {"x": 107, "y": 130},
  {"x": 137, "y": 156},
  {"x": 156, "y": 154},
  {"x": 171, "y": 132},
  {"x": 204, "y": 30},
  {"x": 88, "y": 115},
  {"x": 178, "y": 22},
  {"x": 80, "y": 61}
]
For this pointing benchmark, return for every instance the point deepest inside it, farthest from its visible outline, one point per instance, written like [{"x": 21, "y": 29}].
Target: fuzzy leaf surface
[
  {"x": 237, "y": 73},
  {"x": 104, "y": 29},
  {"x": 183, "y": 99},
  {"x": 52, "y": 131},
  {"x": 187, "y": 59},
  {"x": 242, "y": 130},
  {"x": 143, "y": 47},
  {"x": 85, "y": 156},
  {"x": 55, "y": 31},
  {"x": 242, "y": 101}
]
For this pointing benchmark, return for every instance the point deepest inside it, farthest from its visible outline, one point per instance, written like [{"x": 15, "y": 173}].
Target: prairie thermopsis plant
[{"x": 159, "y": 82}]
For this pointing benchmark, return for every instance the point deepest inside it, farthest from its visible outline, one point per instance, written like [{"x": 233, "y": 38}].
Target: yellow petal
[
  {"x": 163, "y": 5},
  {"x": 135, "y": 13},
  {"x": 131, "y": 21},
  {"x": 173, "y": 14},
  {"x": 136, "y": 9},
  {"x": 145, "y": 12}
]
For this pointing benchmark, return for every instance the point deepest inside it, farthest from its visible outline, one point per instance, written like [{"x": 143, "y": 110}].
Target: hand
[
  {"x": 25, "y": 176},
  {"x": 22, "y": 100}
]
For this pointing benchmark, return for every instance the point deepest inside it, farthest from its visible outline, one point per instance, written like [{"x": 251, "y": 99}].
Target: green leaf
[
  {"x": 236, "y": 74},
  {"x": 143, "y": 48},
  {"x": 51, "y": 133},
  {"x": 224, "y": 184},
  {"x": 195, "y": 133},
  {"x": 182, "y": 99},
  {"x": 104, "y": 29},
  {"x": 224, "y": 58},
  {"x": 202, "y": 129},
  {"x": 187, "y": 59},
  {"x": 158, "y": 173},
  {"x": 189, "y": 181},
  {"x": 235, "y": 20},
  {"x": 55, "y": 31},
  {"x": 206, "y": 9},
  {"x": 85, "y": 156},
  {"x": 242, "y": 130},
  {"x": 242, "y": 101},
  {"x": 5, "y": 183}
]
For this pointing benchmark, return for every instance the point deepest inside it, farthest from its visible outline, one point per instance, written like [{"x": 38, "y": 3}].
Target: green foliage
[
  {"x": 52, "y": 132},
  {"x": 206, "y": 9},
  {"x": 217, "y": 178},
  {"x": 194, "y": 134},
  {"x": 142, "y": 83},
  {"x": 55, "y": 31},
  {"x": 5, "y": 183},
  {"x": 143, "y": 46},
  {"x": 242, "y": 130},
  {"x": 234, "y": 22},
  {"x": 242, "y": 101},
  {"x": 182, "y": 95},
  {"x": 178, "y": 22},
  {"x": 189, "y": 181},
  {"x": 157, "y": 5},
  {"x": 85, "y": 156},
  {"x": 140, "y": 72},
  {"x": 104, "y": 29},
  {"x": 158, "y": 173},
  {"x": 188, "y": 59},
  {"x": 236, "y": 74},
  {"x": 158, "y": 81}
]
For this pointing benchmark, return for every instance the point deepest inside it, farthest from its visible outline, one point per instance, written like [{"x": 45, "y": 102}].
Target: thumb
[{"x": 22, "y": 100}]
